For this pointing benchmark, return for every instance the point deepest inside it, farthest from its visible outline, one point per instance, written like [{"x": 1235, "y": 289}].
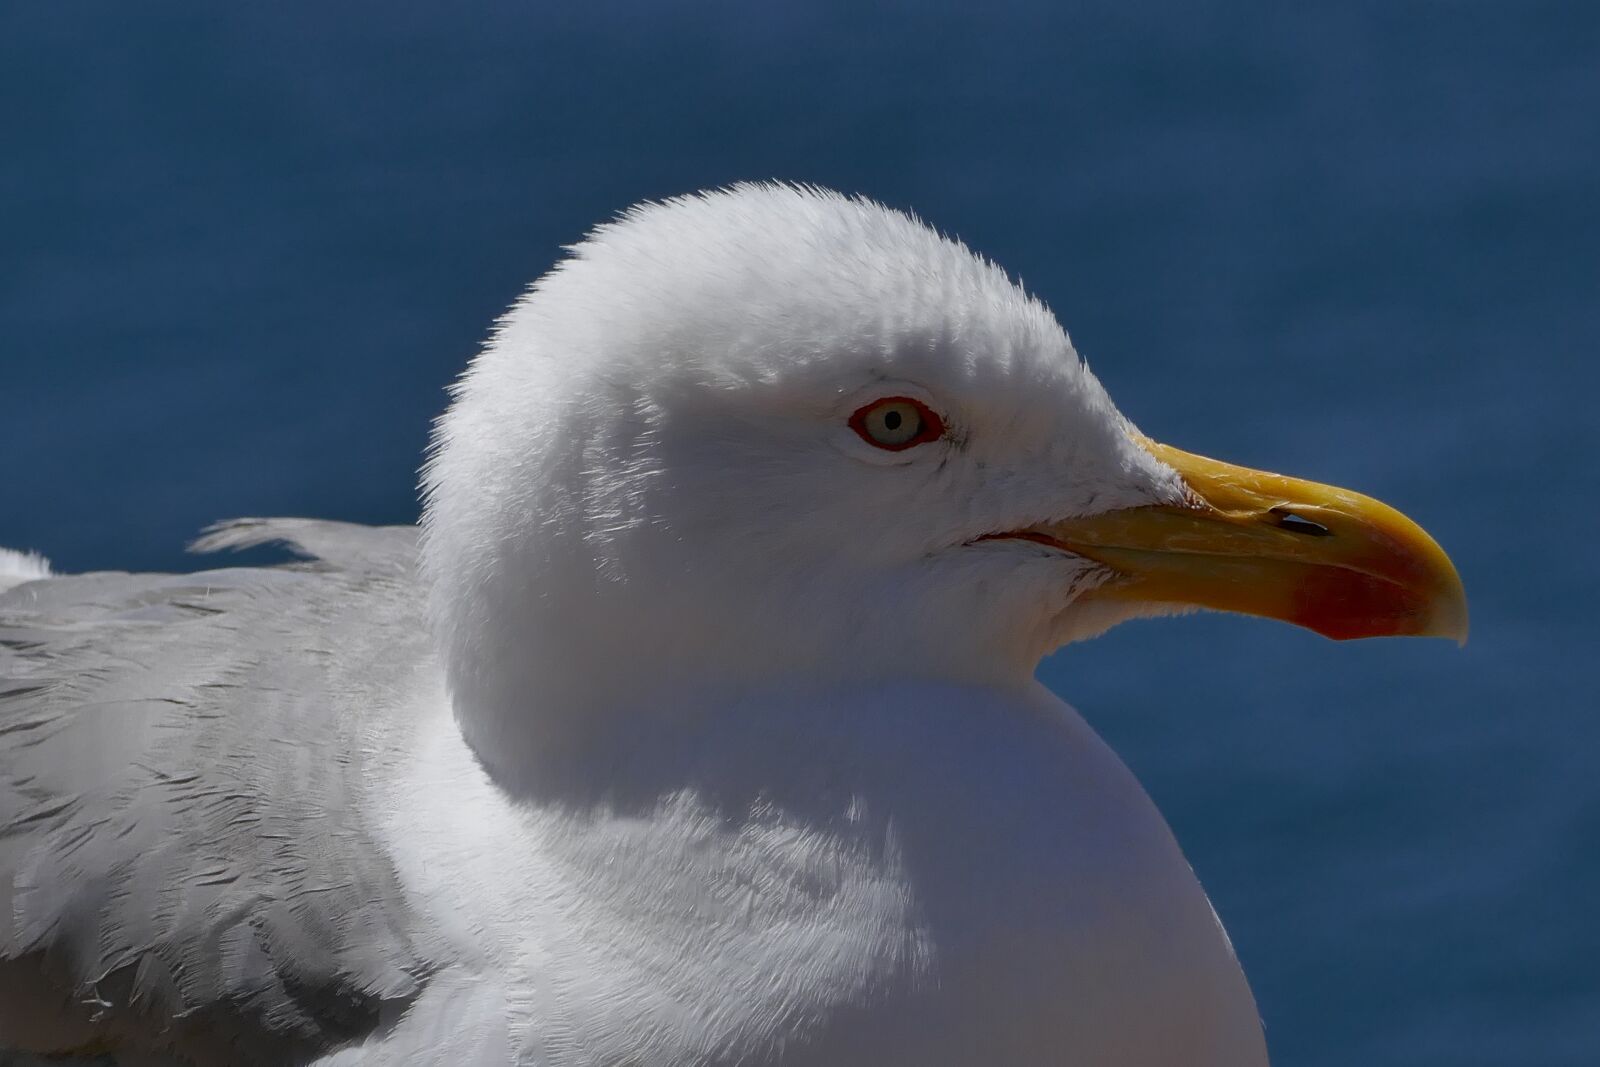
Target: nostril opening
[{"x": 1299, "y": 524}]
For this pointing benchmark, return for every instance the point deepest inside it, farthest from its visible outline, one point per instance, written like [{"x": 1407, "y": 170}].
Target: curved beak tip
[{"x": 1450, "y": 616}]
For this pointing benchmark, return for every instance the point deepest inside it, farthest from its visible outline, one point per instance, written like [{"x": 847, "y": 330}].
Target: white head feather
[{"x": 647, "y": 483}]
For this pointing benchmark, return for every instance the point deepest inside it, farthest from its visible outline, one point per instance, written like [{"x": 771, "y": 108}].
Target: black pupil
[{"x": 891, "y": 420}]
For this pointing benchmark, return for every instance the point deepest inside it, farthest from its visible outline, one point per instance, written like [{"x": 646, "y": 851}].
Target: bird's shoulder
[{"x": 186, "y": 864}]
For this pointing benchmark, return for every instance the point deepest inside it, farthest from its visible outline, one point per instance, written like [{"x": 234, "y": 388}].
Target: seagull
[{"x": 696, "y": 723}]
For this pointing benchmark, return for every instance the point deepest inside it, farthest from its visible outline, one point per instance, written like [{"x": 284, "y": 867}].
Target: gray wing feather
[
  {"x": 343, "y": 545},
  {"x": 188, "y": 865}
]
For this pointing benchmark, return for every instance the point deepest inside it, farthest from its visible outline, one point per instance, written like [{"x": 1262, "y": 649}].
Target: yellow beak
[{"x": 1333, "y": 561}]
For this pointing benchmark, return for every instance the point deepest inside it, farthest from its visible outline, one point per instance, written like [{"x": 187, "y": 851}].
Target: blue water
[{"x": 244, "y": 246}]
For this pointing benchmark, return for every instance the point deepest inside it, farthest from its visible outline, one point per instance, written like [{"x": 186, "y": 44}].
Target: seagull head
[{"x": 775, "y": 435}]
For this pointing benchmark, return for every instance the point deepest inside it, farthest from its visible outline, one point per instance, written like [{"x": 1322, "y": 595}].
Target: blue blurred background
[{"x": 244, "y": 246}]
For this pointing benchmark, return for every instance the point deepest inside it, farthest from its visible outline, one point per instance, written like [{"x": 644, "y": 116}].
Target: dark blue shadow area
[{"x": 244, "y": 248}]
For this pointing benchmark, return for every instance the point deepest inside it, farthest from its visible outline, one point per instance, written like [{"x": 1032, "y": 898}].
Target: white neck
[{"x": 946, "y": 862}]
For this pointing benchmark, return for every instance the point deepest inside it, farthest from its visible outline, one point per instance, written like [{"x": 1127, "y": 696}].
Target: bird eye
[{"x": 896, "y": 423}]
